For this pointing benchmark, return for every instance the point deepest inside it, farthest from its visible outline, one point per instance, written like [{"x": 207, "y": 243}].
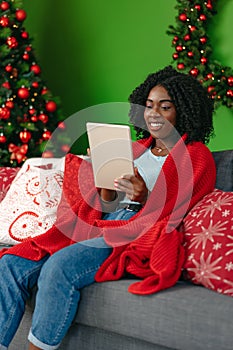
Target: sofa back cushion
[{"x": 224, "y": 165}]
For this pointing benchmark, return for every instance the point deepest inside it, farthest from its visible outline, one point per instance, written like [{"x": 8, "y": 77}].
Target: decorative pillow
[
  {"x": 30, "y": 205},
  {"x": 7, "y": 175},
  {"x": 208, "y": 232}
]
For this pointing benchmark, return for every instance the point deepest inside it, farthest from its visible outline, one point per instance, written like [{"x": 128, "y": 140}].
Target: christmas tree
[
  {"x": 193, "y": 50},
  {"x": 28, "y": 112}
]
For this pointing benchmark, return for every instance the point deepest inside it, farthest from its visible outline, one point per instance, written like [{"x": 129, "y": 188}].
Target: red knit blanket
[{"x": 149, "y": 245}]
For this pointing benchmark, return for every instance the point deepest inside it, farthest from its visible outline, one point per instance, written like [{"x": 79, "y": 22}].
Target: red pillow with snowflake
[
  {"x": 208, "y": 234},
  {"x": 7, "y": 175}
]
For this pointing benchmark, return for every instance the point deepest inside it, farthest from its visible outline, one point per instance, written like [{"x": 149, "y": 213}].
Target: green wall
[{"x": 96, "y": 52}]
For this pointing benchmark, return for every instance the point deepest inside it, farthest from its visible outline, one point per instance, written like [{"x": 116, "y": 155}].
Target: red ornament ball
[
  {"x": 209, "y": 76},
  {"x": 65, "y": 148},
  {"x": 10, "y": 104},
  {"x": 4, "y": 6},
  {"x": 23, "y": 93},
  {"x": 175, "y": 56},
  {"x": 180, "y": 66},
  {"x": 35, "y": 69},
  {"x": 6, "y": 85},
  {"x": 24, "y": 35},
  {"x": 4, "y": 21},
  {"x": 47, "y": 154},
  {"x": 203, "y": 60},
  {"x": 179, "y": 48},
  {"x": 34, "y": 119},
  {"x": 43, "y": 118},
  {"x": 186, "y": 37},
  {"x": 209, "y": 6},
  {"x": 44, "y": 91},
  {"x": 202, "y": 17},
  {"x": 190, "y": 54},
  {"x": 46, "y": 135},
  {"x": 32, "y": 111},
  {"x": 203, "y": 40},
  {"x": 8, "y": 68},
  {"x": 194, "y": 72},
  {"x": 192, "y": 28},
  {"x": 229, "y": 93},
  {"x": 26, "y": 56},
  {"x": 25, "y": 136},
  {"x": 183, "y": 17},
  {"x": 12, "y": 42},
  {"x": 2, "y": 138},
  {"x": 51, "y": 106},
  {"x": 197, "y": 7},
  {"x": 62, "y": 126},
  {"x": 20, "y": 15},
  {"x": 210, "y": 88},
  {"x": 35, "y": 84},
  {"x": 230, "y": 81},
  {"x": 4, "y": 113}
]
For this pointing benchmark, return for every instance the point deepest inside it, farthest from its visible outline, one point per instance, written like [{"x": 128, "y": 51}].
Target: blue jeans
[{"x": 59, "y": 278}]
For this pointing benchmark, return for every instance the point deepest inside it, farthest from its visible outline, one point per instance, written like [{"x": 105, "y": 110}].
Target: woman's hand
[{"x": 134, "y": 187}]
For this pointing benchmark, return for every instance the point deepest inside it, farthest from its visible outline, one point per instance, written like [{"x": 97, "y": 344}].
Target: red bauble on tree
[
  {"x": 4, "y": 21},
  {"x": 23, "y": 93},
  {"x": 12, "y": 42},
  {"x": 183, "y": 17},
  {"x": 230, "y": 81},
  {"x": 2, "y": 138},
  {"x": 46, "y": 135},
  {"x": 20, "y": 15},
  {"x": 43, "y": 118},
  {"x": 51, "y": 106},
  {"x": 35, "y": 68},
  {"x": 4, "y": 6},
  {"x": 4, "y": 113},
  {"x": 25, "y": 136}
]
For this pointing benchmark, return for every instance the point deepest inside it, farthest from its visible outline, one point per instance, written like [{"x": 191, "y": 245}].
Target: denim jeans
[{"x": 59, "y": 278}]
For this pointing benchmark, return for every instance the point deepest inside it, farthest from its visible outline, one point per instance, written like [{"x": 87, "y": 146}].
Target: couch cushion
[
  {"x": 224, "y": 164},
  {"x": 182, "y": 317}
]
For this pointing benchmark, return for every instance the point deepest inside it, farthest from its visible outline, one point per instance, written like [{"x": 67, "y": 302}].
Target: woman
[{"x": 137, "y": 224}]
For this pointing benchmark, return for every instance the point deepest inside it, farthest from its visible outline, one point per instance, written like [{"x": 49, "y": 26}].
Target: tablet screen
[{"x": 111, "y": 152}]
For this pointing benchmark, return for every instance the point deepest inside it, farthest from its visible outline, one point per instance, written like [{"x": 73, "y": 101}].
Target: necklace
[{"x": 160, "y": 149}]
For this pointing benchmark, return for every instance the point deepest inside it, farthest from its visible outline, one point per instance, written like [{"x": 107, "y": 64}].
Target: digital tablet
[{"x": 111, "y": 152}]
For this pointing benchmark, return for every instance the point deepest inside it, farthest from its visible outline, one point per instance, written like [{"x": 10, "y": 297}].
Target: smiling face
[{"x": 160, "y": 113}]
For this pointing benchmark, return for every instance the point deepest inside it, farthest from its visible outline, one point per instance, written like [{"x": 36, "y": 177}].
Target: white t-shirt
[{"x": 149, "y": 167}]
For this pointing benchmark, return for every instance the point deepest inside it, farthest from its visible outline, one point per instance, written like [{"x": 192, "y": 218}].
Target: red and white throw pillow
[
  {"x": 208, "y": 233},
  {"x": 7, "y": 175},
  {"x": 30, "y": 205}
]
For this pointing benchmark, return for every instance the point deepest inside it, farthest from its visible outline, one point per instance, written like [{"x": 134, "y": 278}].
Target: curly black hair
[{"x": 194, "y": 108}]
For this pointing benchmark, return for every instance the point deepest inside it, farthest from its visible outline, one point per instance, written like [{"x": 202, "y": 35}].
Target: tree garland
[{"x": 193, "y": 51}]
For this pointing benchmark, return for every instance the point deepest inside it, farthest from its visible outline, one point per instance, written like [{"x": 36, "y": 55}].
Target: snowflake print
[
  {"x": 213, "y": 205},
  {"x": 229, "y": 245},
  {"x": 230, "y": 290},
  {"x": 207, "y": 234},
  {"x": 226, "y": 213},
  {"x": 205, "y": 270},
  {"x": 229, "y": 266},
  {"x": 217, "y": 246}
]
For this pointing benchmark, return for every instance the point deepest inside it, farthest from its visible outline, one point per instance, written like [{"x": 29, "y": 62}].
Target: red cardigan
[{"x": 149, "y": 245}]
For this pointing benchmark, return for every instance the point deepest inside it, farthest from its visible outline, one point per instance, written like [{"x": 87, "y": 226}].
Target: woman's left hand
[{"x": 134, "y": 187}]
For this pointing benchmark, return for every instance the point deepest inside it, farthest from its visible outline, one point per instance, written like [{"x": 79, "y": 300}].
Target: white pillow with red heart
[{"x": 30, "y": 206}]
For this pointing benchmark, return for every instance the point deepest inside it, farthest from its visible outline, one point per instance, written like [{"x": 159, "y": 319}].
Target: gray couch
[{"x": 184, "y": 317}]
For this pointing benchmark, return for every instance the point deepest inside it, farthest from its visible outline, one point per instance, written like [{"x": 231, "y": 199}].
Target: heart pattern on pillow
[
  {"x": 30, "y": 205},
  {"x": 208, "y": 242}
]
